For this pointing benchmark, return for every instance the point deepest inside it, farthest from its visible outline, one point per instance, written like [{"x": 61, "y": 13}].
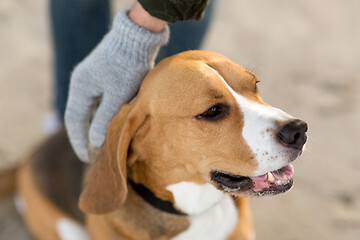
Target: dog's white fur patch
[
  {"x": 212, "y": 214},
  {"x": 69, "y": 230},
  {"x": 193, "y": 198},
  {"x": 259, "y": 132}
]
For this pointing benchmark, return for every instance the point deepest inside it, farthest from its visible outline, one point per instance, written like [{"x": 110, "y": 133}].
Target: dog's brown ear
[{"x": 105, "y": 188}]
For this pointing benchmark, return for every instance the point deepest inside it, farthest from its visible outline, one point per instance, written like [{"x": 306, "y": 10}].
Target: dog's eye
[{"x": 214, "y": 113}]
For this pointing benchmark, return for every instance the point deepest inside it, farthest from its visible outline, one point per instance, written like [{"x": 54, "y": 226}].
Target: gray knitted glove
[{"x": 112, "y": 71}]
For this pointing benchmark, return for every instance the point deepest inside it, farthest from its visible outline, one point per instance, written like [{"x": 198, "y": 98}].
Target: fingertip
[
  {"x": 97, "y": 135},
  {"x": 77, "y": 139},
  {"x": 82, "y": 154},
  {"x": 101, "y": 121}
]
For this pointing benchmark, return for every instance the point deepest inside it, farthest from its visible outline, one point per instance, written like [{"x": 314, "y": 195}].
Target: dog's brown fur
[
  {"x": 156, "y": 141},
  {"x": 150, "y": 117},
  {"x": 7, "y": 182}
]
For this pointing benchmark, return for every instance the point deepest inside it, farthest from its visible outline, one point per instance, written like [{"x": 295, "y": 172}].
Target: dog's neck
[
  {"x": 194, "y": 199},
  {"x": 153, "y": 200},
  {"x": 153, "y": 223},
  {"x": 137, "y": 219},
  {"x": 200, "y": 202},
  {"x": 188, "y": 197},
  {"x": 191, "y": 198}
]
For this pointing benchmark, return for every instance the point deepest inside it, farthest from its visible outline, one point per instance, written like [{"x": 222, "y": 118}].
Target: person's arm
[
  {"x": 143, "y": 19},
  {"x": 113, "y": 71},
  {"x": 175, "y": 10}
]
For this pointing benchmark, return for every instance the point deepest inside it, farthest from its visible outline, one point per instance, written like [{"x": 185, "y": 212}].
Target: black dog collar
[{"x": 156, "y": 202}]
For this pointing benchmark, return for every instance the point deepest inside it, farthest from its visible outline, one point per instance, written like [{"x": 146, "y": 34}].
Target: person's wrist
[{"x": 142, "y": 18}]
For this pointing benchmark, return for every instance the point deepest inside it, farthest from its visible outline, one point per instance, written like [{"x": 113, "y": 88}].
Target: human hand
[{"x": 112, "y": 71}]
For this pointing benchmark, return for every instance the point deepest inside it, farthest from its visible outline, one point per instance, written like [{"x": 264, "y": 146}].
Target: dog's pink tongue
[{"x": 278, "y": 177}]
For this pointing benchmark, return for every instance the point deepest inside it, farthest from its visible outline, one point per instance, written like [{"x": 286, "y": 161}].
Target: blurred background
[{"x": 307, "y": 56}]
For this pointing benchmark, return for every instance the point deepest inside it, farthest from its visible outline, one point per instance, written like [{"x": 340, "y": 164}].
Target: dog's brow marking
[
  {"x": 259, "y": 131},
  {"x": 68, "y": 230},
  {"x": 213, "y": 214},
  {"x": 218, "y": 96}
]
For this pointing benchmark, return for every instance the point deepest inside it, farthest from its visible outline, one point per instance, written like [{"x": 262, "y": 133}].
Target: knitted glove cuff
[{"x": 137, "y": 44}]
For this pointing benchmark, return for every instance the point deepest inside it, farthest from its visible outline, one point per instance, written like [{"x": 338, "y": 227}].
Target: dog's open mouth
[{"x": 271, "y": 183}]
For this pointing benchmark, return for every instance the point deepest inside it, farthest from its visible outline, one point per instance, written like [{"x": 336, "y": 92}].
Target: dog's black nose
[{"x": 292, "y": 134}]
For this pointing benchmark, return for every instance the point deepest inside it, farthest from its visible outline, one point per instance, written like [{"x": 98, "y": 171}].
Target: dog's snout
[{"x": 293, "y": 134}]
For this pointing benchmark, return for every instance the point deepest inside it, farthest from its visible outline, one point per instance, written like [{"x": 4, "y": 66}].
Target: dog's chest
[{"x": 213, "y": 215}]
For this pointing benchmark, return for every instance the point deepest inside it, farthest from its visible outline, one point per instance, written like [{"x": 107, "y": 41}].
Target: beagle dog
[{"x": 178, "y": 161}]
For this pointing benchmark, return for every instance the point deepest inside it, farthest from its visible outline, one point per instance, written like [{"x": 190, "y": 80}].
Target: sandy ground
[{"x": 307, "y": 56}]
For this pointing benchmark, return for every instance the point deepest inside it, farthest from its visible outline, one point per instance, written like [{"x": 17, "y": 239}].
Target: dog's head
[{"x": 198, "y": 118}]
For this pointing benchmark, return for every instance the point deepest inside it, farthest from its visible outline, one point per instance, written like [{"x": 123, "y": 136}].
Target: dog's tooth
[
  {"x": 278, "y": 182},
  {"x": 270, "y": 177}
]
